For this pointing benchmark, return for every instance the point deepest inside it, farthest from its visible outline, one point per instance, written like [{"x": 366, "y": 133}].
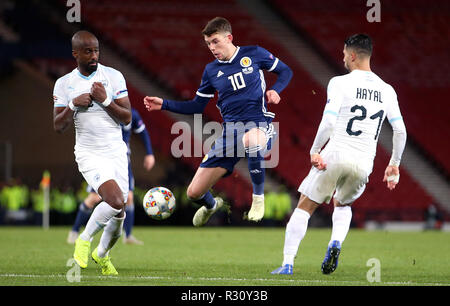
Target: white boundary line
[{"x": 248, "y": 280}]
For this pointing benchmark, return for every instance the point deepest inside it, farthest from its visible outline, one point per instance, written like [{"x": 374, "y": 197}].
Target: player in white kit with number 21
[
  {"x": 95, "y": 97},
  {"x": 357, "y": 105}
]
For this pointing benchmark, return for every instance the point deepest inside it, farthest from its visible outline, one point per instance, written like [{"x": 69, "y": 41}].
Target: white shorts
[
  {"x": 342, "y": 175},
  {"x": 98, "y": 167}
]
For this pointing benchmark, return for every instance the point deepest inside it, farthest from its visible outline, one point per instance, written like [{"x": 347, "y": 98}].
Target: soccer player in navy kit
[
  {"x": 236, "y": 74},
  {"x": 136, "y": 126}
]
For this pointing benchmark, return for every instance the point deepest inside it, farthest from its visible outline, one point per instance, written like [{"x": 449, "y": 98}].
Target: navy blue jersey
[
  {"x": 240, "y": 85},
  {"x": 136, "y": 126}
]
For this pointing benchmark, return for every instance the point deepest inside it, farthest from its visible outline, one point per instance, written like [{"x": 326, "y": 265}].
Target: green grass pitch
[{"x": 226, "y": 256}]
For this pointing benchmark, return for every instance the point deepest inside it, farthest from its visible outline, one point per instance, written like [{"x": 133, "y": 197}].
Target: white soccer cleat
[
  {"x": 256, "y": 212},
  {"x": 132, "y": 240},
  {"x": 203, "y": 214}
]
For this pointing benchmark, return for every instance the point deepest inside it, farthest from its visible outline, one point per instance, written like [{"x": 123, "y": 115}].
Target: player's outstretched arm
[
  {"x": 153, "y": 103},
  {"x": 194, "y": 106}
]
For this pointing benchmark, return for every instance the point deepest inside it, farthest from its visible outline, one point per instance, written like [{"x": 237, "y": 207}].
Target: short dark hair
[
  {"x": 217, "y": 24},
  {"x": 361, "y": 43}
]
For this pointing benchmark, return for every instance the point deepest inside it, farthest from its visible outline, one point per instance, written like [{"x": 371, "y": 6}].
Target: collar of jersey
[
  {"x": 361, "y": 71},
  {"x": 232, "y": 58},
  {"x": 89, "y": 76}
]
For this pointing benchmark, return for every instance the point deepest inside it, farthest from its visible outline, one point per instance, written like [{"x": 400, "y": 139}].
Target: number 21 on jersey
[
  {"x": 363, "y": 116},
  {"x": 237, "y": 80}
]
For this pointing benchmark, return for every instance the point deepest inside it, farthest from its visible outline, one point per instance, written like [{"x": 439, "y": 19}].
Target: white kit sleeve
[
  {"x": 395, "y": 118},
  {"x": 59, "y": 95},
  {"x": 329, "y": 118}
]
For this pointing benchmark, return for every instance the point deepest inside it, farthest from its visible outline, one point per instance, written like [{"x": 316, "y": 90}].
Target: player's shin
[
  {"x": 257, "y": 174},
  {"x": 98, "y": 220},
  {"x": 206, "y": 200},
  {"x": 295, "y": 231},
  {"x": 112, "y": 233},
  {"x": 342, "y": 217}
]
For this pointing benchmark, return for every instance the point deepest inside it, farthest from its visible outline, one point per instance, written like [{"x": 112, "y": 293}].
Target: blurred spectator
[
  {"x": 82, "y": 192},
  {"x": 433, "y": 218},
  {"x": 63, "y": 204},
  {"x": 277, "y": 207},
  {"x": 14, "y": 198},
  {"x": 37, "y": 204}
]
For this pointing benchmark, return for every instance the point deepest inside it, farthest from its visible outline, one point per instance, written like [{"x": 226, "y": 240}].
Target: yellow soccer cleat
[
  {"x": 105, "y": 263},
  {"x": 81, "y": 253}
]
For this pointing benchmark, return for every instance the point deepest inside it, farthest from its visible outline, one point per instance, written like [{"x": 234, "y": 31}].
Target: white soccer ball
[{"x": 159, "y": 203}]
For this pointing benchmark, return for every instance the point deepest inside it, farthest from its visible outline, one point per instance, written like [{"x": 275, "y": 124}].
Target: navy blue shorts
[{"x": 228, "y": 149}]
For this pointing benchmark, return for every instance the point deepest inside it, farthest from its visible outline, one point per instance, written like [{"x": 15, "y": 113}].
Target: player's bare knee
[
  {"x": 193, "y": 193},
  {"x": 307, "y": 205},
  {"x": 254, "y": 137},
  {"x": 116, "y": 201}
]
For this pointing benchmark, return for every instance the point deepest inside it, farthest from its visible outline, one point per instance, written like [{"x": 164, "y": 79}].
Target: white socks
[
  {"x": 98, "y": 220},
  {"x": 295, "y": 231},
  {"x": 342, "y": 216},
  {"x": 298, "y": 224},
  {"x": 111, "y": 234}
]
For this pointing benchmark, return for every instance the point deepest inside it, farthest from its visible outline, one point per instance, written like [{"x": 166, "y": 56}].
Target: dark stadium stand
[{"x": 409, "y": 42}]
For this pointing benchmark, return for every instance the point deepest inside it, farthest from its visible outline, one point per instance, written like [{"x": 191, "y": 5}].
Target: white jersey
[
  {"x": 358, "y": 102},
  {"x": 94, "y": 127}
]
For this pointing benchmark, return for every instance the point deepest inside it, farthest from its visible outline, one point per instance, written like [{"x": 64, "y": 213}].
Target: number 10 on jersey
[{"x": 237, "y": 80}]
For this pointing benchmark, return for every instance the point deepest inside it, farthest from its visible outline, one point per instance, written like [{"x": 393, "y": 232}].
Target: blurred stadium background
[{"x": 158, "y": 47}]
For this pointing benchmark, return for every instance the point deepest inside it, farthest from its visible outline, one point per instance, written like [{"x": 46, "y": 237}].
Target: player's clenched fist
[
  {"x": 273, "y": 97},
  {"x": 318, "y": 162},
  {"x": 83, "y": 100},
  {"x": 98, "y": 92},
  {"x": 153, "y": 103}
]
